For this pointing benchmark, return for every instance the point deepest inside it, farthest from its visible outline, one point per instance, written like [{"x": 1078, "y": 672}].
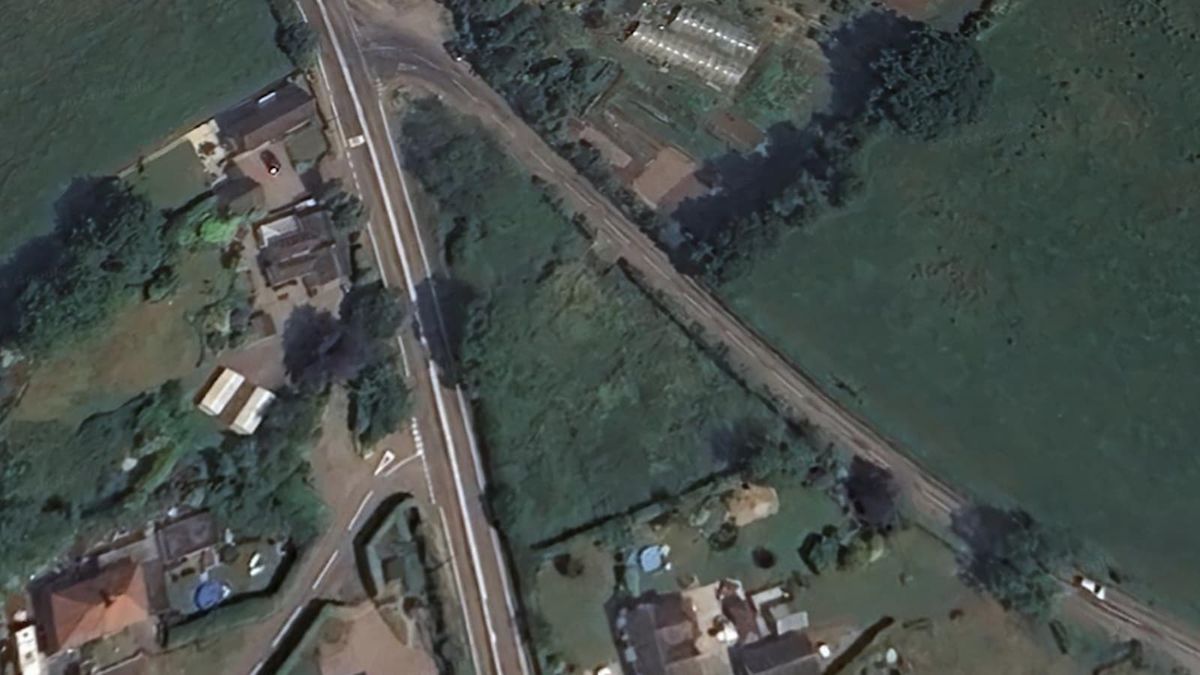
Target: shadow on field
[{"x": 817, "y": 154}]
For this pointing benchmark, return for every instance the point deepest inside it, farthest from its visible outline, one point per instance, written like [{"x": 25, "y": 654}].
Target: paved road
[
  {"x": 417, "y": 58},
  {"x": 450, "y": 460}
]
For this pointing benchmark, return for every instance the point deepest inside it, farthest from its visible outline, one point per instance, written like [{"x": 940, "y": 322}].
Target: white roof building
[
  {"x": 221, "y": 392},
  {"x": 251, "y": 414}
]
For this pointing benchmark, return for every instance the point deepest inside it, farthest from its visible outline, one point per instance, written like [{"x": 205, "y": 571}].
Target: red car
[{"x": 270, "y": 161}]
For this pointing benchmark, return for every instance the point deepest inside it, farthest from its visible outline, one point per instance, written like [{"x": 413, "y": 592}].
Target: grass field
[
  {"x": 90, "y": 86},
  {"x": 589, "y": 400},
  {"x": 1016, "y": 302}
]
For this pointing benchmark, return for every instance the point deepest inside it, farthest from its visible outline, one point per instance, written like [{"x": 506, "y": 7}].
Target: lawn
[
  {"x": 1015, "y": 302},
  {"x": 87, "y": 87},
  {"x": 589, "y": 400},
  {"x": 172, "y": 179}
]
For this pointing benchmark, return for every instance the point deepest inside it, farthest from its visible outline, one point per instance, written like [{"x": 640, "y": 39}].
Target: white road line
[
  {"x": 358, "y": 108},
  {"x": 460, "y": 492},
  {"x": 428, "y": 480},
  {"x": 441, "y": 408},
  {"x": 458, "y": 585},
  {"x": 509, "y": 604},
  {"x": 385, "y": 461},
  {"x": 399, "y": 465},
  {"x": 325, "y": 570},
  {"x": 403, "y": 356},
  {"x": 361, "y": 507},
  {"x": 257, "y": 668},
  {"x": 692, "y": 301},
  {"x": 287, "y": 625}
]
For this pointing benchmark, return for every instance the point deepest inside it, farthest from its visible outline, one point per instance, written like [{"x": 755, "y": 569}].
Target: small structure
[
  {"x": 186, "y": 536},
  {"x": 31, "y": 660},
  {"x": 749, "y": 503},
  {"x": 788, "y": 654},
  {"x": 654, "y": 558},
  {"x": 668, "y": 179},
  {"x": 776, "y": 615},
  {"x": 716, "y": 50},
  {"x": 222, "y": 390},
  {"x": 237, "y": 402},
  {"x": 251, "y": 414},
  {"x": 267, "y": 117}
]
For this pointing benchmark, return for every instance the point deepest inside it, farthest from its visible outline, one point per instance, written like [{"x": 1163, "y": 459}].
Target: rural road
[
  {"x": 449, "y": 471},
  {"x": 404, "y": 55}
]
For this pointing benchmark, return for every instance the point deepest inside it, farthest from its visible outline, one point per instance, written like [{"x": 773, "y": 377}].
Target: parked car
[
  {"x": 270, "y": 161},
  {"x": 1092, "y": 586}
]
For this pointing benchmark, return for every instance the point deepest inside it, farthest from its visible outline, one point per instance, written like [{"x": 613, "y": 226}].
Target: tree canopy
[{"x": 930, "y": 85}]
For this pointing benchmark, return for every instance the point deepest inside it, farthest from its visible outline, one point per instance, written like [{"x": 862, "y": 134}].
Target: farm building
[
  {"x": 221, "y": 391},
  {"x": 716, "y": 50},
  {"x": 251, "y": 414}
]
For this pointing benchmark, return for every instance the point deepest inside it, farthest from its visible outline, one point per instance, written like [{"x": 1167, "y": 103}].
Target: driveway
[{"x": 282, "y": 189}]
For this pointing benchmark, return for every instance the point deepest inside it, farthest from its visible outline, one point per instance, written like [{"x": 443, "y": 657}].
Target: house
[
  {"x": 790, "y": 653},
  {"x": 221, "y": 391},
  {"x": 300, "y": 248},
  {"x": 92, "y": 604},
  {"x": 268, "y": 117},
  {"x": 660, "y": 636}
]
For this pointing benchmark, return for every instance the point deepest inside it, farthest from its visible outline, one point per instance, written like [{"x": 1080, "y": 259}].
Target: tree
[
  {"x": 872, "y": 492},
  {"x": 112, "y": 243},
  {"x": 1010, "y": 557},
  {"x": 345, "y": 210},
  {"x": 933, "y": 83},
  {"x": 318, "y": 349},
  {"x": 379, "y": 401},
  {"x": 294, "y": 37}
]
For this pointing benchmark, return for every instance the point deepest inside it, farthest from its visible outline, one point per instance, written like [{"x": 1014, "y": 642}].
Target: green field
[
  {"x": 589, "y": 400},
  {"x": 89, "y": 86},
  {"x": 1016, "y": 302}
]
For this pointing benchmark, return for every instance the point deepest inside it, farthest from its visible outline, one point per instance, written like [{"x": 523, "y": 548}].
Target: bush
[{"x": 1011, "y": 558}]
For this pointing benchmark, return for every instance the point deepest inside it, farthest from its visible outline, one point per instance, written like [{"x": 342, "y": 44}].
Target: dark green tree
[
  {"x": 931, "y": 84},
  {"x": 1011, "y": 557}
]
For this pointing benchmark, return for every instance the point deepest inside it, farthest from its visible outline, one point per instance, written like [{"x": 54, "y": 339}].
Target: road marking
[
  {"x": 287, "y": 625},
  {"x": 406, "y": 460},
  {"x": 458, "y": 585},
  {"x": 361, "y": 507},
  {"x": 325, "y": 570},
  {"x": 362, "y": 119},
  {"x": 403, "y": 356},
  {"x": 257, "y": 668},
  {"x": 416, "y": 434},
  {"x": 385, "y": 461},
  {"x": 359, "y": 110},
  {"x": 692, "y": 301}
]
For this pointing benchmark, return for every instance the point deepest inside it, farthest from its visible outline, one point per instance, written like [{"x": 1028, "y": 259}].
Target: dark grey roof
[{"x": 267, "y": 117}]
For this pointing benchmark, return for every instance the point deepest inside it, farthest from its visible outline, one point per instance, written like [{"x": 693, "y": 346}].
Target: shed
[
  {"x": 251, "y": 414},
  {"x": 221, "y": 392}
]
